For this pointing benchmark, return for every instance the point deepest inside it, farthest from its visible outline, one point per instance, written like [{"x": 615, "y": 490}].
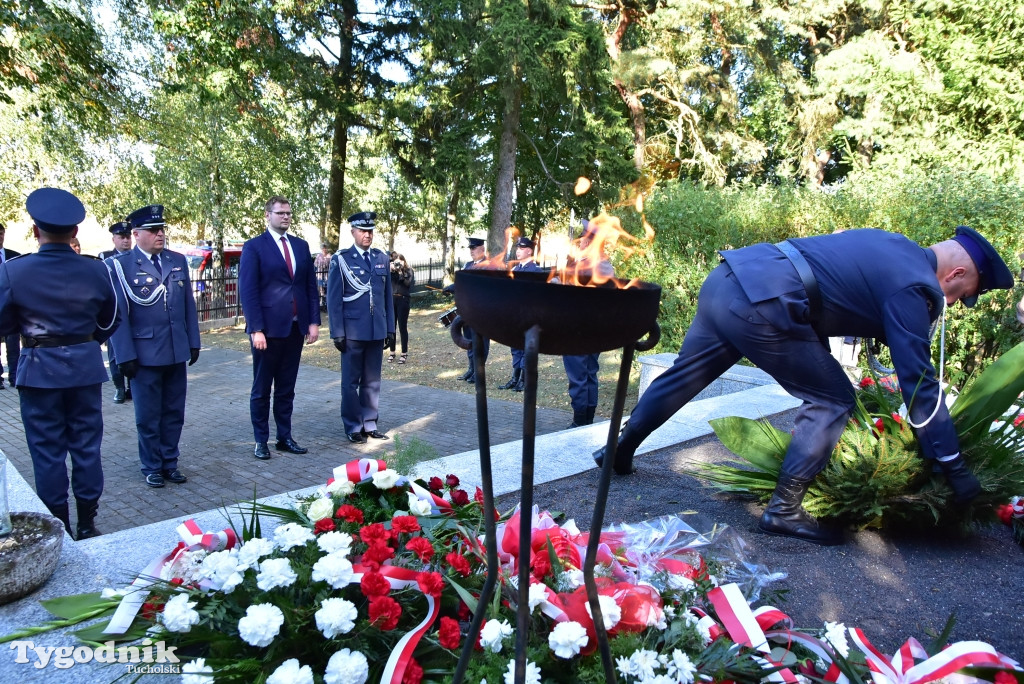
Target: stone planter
[{"x": 29, "y": 554}]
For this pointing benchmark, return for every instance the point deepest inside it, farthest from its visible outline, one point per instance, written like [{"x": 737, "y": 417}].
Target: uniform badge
[
  {"x": 144, "y": 291},
  {"x": 149, "y": 280},
  {"x": 181, "y": 283}
]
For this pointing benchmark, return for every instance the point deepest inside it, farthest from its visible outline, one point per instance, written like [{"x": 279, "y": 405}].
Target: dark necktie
[
  {"x": 291, "y": 270},
  {"x": 156, "y": 264},
  {"x": 366, "y": 258}
]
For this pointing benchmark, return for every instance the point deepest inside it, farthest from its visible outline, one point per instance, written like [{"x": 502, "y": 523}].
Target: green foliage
[{"x": 876, "y": 477}]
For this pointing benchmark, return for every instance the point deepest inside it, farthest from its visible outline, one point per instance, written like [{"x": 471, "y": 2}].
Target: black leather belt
[
  {"x": 54, "y": 341},
  {"x": 803, "y": 269}
]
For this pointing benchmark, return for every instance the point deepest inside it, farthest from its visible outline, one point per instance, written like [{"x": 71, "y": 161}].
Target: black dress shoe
[
  {"x": 175, "y": 476},
  {"x": 467, "y": 375},
  {"x": 376, "y": 434},
  {"x": 119, "y": 396},
  {"x": 155, "y": 480},
  {"x": 261, "y": 451},
  {"x": 356, "y": 437},
  {"x": 291, "y": 446}
]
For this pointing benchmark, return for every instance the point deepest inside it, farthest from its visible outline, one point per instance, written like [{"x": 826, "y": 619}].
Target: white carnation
[
  {"x": 418, "y": 506},
  {"x": 835, "y": 634},
  {"x": 261, "y": 624},
  {"x": 538, "y": 594},
  {"x": 222, "y": 570},
  {"x": 320, "y": 509},
  {"x": 275, "y": 572},
  {"x": 196, "y": 672},
  {"x": 532, "y": 673},
  {"x": 681, "y": 667},
  {"x": 336, "y": 616},
  {"x": 610, "y": 611},
  {"x": 109, "y": 593},
  {"x": 253, "y": 550},
  {"x": 290, "y": 672},
  {"x": 385, "y": 479},
  {"x": 335, "y": 569},
  {"x": 178, "y": 614},
  {"x": 292, "y": 534},
  {"x": 492, "y": 634},
  {"x": 567, "y": 638},
  {"x": 335, "y": 542},
  {"x": 347, "y": 667}
]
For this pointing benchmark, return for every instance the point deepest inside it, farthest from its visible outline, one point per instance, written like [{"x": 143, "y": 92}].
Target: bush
[{"x": 692, "y": 223}]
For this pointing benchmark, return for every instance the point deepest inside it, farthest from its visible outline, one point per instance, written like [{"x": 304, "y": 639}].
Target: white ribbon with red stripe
[
  {"x": 363, "y": 469},
  {"x": 742, "y": 627},
  {"x": 903, "y": 670},
  {"x": 193, "y": 539}
]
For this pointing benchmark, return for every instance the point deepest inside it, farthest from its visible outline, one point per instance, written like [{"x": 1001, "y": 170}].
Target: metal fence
[{"x": 216, "y": 289}]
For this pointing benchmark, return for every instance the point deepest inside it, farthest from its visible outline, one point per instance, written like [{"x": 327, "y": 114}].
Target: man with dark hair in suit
[
  {"x": 160, "y": 335},
  {"x": 121, "y": 236},
  {"x": 12, "y": 341},
  {"x": 64, "y": 318},
  {"x": 362, "y": 317},
  {"x": 277, "y": 288}
]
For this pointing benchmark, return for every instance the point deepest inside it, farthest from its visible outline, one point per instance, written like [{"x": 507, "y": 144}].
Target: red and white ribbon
[
  {"x": 901, "y": 669},
  {"x": 192, "y": 539},
  {"x": 359, "y": 470},
  {"x": 743, "y": 628}
]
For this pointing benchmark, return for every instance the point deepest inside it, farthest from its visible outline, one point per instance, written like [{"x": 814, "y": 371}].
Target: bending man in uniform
[{"x": 778, "y": 304}]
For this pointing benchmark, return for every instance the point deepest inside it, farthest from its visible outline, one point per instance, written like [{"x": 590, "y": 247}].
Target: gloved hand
[
  {"x": 193, "y": 355},
  {"x": 129, "y": 369},
  {"x": 339, "y": 344},
  {"x": 389, "y": 340}
]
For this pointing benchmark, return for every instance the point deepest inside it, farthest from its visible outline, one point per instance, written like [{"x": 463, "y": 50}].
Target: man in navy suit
[
  {"x": 279, "y": 296},
  {"x": 778, "y": 305},
  {"x": 362, "y": 317},
  {"x": 12, "y": 341},
  {"x": 161, "y": 334},
  {"x": 64, "y": 307}
]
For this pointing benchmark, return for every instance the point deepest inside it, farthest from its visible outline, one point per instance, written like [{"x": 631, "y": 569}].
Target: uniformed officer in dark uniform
[
  {"x": 361, "y": 309},
  {"x": 160, "y": 334},
  {"x": 64, "y": 307},
  {"x": 524, "y": 255},
  {"x": 121, "y": 236},
  {"x": 477, "y": 255},
  {"x": 778, "y": 304},
  {"x": 12, "y": 342},
  {"x": 581, "y": 370}
]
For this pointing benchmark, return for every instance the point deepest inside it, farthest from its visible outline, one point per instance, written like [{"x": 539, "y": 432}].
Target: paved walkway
[{"x": 217, "y": 442}]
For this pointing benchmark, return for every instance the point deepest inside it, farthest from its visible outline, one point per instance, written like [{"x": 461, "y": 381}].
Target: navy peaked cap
[
  {"x": 524, "y": 242},
  {"x": 475, "y": 242},
  {"x": 363, "y": 220},
  {"x": 121, "y": 228},
  {"x": 54, "y": 210},
  {"x": 992, "y": 271},
  {"x": 147, "y": 218}
]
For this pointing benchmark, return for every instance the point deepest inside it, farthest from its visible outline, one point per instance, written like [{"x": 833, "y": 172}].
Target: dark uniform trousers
[
  {"x": 582, "y": 374},
  {"x": 59, "y": 423},
  {"x": 360, "y": 385},
  {"x": 159, "y": 394},
  {"x": 277, "y": 366},
  {"x": 728, "y": 327}
]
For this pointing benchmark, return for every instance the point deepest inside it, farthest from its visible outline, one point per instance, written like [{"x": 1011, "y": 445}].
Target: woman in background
[{"x": 402, "y": 279}]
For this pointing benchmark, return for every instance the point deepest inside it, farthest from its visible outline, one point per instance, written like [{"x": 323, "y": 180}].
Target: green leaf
[
  {"x": 466, "y": 597},
  {"x": 70, "y": 607},
  {"x": 989, "y": 396},
  {"x": 757, "y": 442}
]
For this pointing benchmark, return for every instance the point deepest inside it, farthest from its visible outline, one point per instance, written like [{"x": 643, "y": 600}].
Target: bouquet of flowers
[
  {"x": 374, "y": 578},
  {"x": 876, "y": 477},
  {"x": 1012, "y": 515}
]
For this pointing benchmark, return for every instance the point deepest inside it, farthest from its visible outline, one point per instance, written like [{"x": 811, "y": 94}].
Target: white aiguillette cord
[{"x": 942, "y": 362}]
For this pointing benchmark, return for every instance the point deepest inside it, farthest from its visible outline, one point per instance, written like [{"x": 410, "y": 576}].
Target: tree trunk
[
  {"x": 501, "y": 207},
  {"x": 336, "y": 186},
  {"x": 632, "y": 100},
  {"x": 448, "y": 253}
]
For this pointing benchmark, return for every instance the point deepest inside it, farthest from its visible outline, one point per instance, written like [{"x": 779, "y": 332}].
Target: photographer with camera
[{"x": 402, "y": 279}]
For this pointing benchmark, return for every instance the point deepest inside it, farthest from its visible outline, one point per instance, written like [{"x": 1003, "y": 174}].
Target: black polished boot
[
  {"x": 520, "y": 381},
  {"x": 629, "y": 440},
  {"x": 591, "y": 410},
  {"x": 512, "y": 381},
  {"x": 61, "y": 513},
  {"x": 785, "y": 517},
  {"x": 579, "y": 418},
  {"x": 118, "y": 378},
  {"x": 86, "y": 517},
  {"x": 961, "y": 480}
]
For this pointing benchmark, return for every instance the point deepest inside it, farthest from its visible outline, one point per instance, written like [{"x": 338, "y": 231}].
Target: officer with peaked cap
[
  {"x": 778, "y": 304},
  {"x": 13, "y": 342},
  {"x": 63, "y": 307},
  {"x": 160, "y": 335},
  {"x": 477, "y": 255},
  {"x": 525, "y": 263},
  {"x": 121, "y": 236},
  {"x": 361, "y": 310}
]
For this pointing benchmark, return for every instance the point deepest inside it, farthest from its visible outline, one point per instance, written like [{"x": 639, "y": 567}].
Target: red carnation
[
  {"x": 435, "y": 484},
  {"x": 377, "y": 555},
  {"x": 478, "y": 496},
  {"x": 374, "y": 533},
  {"x": 867, "y": 382},
  {"x": 460, "y": 497},
  {"x": 374, "y": 584},
  {"x": 464, "y": 612},
  {"x": 384, "y": 612},
  {"x": 1004, "y": 677},
  {"x": 404, "y": 524},
  {"x": 449, "y": 634},
  {"x": 458, "y": 562},
  {"x": 1018, "y": 421},
  {"x": 541, "y": 565},
  {"x": 413, "y": 673},
  {"x": 349, "y": 513},
  {"x": 430, "y": 583},
  {"x": 423, "y": 549},
  {"x": 451, "y": 481},
  {"x": 324, "y": 525}
]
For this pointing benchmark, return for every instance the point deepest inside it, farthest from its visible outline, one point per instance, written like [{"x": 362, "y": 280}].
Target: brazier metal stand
[{"x": 532, "y": 338}]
